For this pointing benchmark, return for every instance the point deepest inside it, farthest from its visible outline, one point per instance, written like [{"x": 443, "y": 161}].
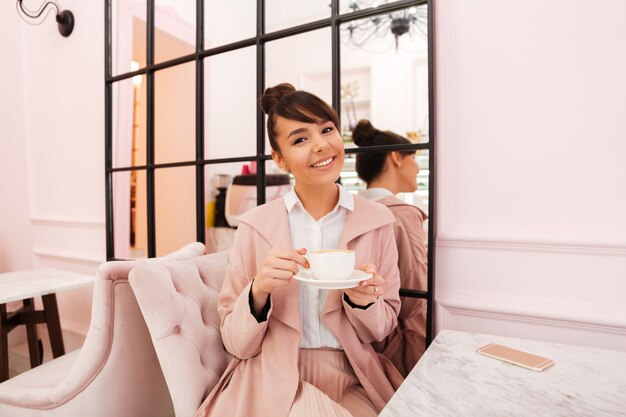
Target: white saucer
[{"x": 330, "y": 284}]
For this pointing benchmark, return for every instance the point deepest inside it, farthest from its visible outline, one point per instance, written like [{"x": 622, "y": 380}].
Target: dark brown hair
[
  {"x": 285, "y": 101},
  {"x": 370, "y": 165}
]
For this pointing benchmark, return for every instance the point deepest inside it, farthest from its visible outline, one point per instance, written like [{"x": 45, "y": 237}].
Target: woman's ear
[
  {"x": 395, "y": 158},
  {"x": 279, "y": 161}
]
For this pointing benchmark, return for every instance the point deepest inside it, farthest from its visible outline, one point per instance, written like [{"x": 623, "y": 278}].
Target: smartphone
[{"x": 516, "y": 357}]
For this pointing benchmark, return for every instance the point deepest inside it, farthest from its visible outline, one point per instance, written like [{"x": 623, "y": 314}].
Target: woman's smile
[{"x": 323, "y": 163}]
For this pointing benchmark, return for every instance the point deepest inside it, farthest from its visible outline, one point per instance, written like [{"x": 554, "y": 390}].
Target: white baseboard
[
  {"x": 68, "y": 222},
  {"x": 67, "y": 257}
]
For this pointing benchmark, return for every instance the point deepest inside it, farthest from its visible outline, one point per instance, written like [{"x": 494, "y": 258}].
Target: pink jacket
[
  {"x": 262, "y": 379},
  {"x": 406, "y": 344}
]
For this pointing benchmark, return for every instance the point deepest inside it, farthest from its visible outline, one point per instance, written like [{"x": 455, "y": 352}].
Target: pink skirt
[{"x": 328, "y": 387}]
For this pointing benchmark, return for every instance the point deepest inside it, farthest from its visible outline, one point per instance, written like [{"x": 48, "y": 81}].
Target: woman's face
[
  {"x": 409, "y": 170},
  {"x": 312, "y": 152}
]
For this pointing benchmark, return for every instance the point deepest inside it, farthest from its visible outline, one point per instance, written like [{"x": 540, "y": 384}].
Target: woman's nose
[{"x": 321, "y": 144}]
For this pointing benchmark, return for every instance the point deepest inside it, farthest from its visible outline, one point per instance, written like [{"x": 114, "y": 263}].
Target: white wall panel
[{"x": 531, "y": 235}]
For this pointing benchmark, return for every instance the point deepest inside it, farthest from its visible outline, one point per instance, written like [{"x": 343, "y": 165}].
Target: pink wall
[
  {"x": 51, "y": 149},
  {"x": 15, "y": 228},
  {"x": 531, "y": 233}
]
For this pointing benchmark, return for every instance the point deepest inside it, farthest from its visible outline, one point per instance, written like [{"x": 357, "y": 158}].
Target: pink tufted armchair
[
  {"x": 179, "y": 303},
  {"x": 115, "y": 374}
]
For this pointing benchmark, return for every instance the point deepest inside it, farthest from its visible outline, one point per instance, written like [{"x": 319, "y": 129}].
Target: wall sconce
[{"x": 65, "y": 18}]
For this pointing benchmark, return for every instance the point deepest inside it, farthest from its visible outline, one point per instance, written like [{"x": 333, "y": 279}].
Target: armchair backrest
[{"x": 179, "y": 304}]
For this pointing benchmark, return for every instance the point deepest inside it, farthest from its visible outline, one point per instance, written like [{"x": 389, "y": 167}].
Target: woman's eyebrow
[{"x": 297, "y": 131}]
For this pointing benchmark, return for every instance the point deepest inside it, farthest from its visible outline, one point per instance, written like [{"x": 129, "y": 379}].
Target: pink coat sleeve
[
  {"x": 412, "y": 253},
  {"x": 242, "y": 334},
  {"x": 379, "y": 319}
]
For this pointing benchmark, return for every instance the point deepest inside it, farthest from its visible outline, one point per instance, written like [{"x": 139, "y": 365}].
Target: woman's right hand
[{"x": 278, "y": 269}]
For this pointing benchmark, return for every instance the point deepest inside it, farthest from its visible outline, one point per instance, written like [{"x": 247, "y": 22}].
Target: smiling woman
[{"x": 327, "y": 367}]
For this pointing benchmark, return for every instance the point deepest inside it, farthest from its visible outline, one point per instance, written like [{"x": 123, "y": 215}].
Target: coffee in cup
[{"x": 331, "y": 264}]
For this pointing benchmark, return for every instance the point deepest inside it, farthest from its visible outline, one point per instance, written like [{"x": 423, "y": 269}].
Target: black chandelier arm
[
  {"x": 36, "y": 14},
  {"x": 410, "y": 21}
]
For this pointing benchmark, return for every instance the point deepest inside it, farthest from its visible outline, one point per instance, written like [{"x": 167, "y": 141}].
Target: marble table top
[
  {"x": 451, "y": 379},
  {"x": 20, "y": 285}
]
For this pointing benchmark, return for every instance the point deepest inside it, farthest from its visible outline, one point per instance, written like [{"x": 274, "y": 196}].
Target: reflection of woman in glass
[
  {"x": 299, "y": 350},
  {"x": 386, "y": 174}
]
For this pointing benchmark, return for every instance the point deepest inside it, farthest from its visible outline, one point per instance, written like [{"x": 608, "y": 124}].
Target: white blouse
[
  {"x": 375, "y": 193},
  {"x": 324, "y": 233}
]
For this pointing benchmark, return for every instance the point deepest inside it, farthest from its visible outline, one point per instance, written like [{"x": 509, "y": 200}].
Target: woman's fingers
[
  {"x": 279, "y": 282},
  {"x": 300, "y": 259},
  {"x": 368, "y": 290},
  {"x": 369, "y": 268},
  {"x": 376, "y": 280},
  {"x": 277, "y": 273},
  {"x": 283, "y": 264},
  {"x": 279, "y": 267},
  {"x": 296, "y": 256}
]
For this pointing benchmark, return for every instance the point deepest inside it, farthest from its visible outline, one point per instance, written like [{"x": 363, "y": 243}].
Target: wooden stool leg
[
  {"x": 31, "y": 333},
  {"x": 4, "y": 344},
  {"x": 51, "y": 311}
]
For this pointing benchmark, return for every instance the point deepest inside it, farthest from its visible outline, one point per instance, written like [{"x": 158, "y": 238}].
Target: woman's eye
[
  {"x": 299, "y": 140},
  {"x": 327, "y": 129}
]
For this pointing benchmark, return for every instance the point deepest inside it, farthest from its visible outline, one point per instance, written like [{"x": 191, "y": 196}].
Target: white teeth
[{"x": 323, "y": 163}]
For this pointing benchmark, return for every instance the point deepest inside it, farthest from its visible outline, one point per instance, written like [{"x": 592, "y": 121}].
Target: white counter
[
  {"x": 30, "y": 283},
  {"x": 451, "y": 379}
]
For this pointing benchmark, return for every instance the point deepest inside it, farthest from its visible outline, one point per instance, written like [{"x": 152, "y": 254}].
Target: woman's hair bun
[
  {"x": 273, "y": 95},
  {"x": 363, "y": 134}
]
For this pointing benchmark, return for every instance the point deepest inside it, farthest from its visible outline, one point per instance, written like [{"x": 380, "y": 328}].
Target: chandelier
[{"x": 398, "y": 23}]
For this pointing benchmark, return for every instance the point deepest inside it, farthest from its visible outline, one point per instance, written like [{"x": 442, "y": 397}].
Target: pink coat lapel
[{"x": 275, "y": 231}]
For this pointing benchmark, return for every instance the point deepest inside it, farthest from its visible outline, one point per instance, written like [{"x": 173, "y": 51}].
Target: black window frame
[{"x": 259, "y": 41}]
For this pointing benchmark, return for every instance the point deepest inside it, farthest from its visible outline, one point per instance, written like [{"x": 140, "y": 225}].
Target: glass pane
[
  {"x": 130, "y": 214},
  {"x": 128, "y": 32},
  {"x": 174, "y": 29},
  {"x": 175, "y": 208},
  {"x": 282, "y": 14},
  {"x": 384, "y": 78},
  {"x": 129, "y": 122},
  {"x": 306, "y": 68},
  {"x": 230, "y": 104},
  {"x": 175, "y": 114},
  {"x": 239, "y": 24},
  {"x": 230, "y": 192},
  {"x": 220, "y": 227},
  {"x": 349, "y": 6}
]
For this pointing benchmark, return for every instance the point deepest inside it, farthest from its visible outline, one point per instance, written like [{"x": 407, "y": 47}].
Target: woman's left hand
[{"x": 368, "y": 290}]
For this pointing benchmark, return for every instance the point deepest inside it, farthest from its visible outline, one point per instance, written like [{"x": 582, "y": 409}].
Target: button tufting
[{"x": 176, "y": 330}]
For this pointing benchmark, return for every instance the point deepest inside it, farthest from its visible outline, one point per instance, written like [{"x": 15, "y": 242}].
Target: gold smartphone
[{"x": 516, "y": 357}]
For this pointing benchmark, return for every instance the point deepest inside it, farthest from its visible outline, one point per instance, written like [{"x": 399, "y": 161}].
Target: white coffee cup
[{"x": 331, "y": 264}]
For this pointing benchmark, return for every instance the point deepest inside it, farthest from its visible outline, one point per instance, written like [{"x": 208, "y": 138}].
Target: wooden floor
[{"x": 19, "y": 360}]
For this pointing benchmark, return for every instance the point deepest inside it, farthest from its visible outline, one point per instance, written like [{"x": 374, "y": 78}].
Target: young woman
[
  {"x": 387, "y": 174},
  {"x": 299, "y": 350}
]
